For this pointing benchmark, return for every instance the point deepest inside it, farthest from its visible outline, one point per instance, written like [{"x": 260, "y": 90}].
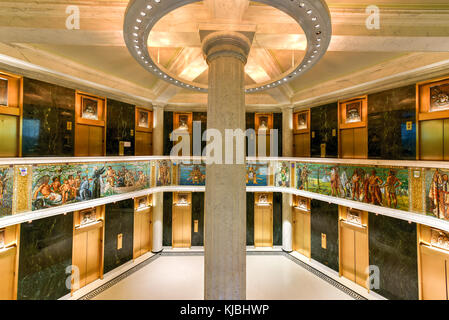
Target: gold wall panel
[
  {"x": 433, "y": 274},
  {"x": 23, "y": 176},
  {"x": 144, "y": 143},
  {"x": 432, "y": 140},
  {"x": 417, "y": 190},
  {"x": 9, "y": 136}
]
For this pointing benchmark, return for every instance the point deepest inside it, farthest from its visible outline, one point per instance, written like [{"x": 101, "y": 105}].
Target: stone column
[
  {"x": 287, "y": 151},
  {"x": 225, "y": 219},
  {"x": 158, "y": 198}
]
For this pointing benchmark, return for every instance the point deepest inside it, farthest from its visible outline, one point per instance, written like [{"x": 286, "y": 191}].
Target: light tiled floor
[{"x": 181, "y": 277}]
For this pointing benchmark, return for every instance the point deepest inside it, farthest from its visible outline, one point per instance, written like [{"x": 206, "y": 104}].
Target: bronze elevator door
[
  {"x": 89, "y": 141},
  {"x": 302, "y": 145},
  {"x": 434, "y": 274},
  {"x": 143, "y": 232},
  {"x": 354, "y": 143},
  {"x": 87, "y": 252},
  {"x": 182, "y": 226},
  {"x": 354, "y": 253},
  {"x": 263, "y": 225},
  {"x": 301, "y": 232},
  {"x": 7, "y": 271},
  {"x": 144, "y": 144},
  {"x": 9, "y": 136},
  {"x": 434, "y": 140}
]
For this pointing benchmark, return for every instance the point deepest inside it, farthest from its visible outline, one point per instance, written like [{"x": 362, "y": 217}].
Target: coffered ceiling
[{"x": 413, "y": 37}]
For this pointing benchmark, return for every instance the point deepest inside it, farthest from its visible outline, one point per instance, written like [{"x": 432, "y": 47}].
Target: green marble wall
[
  {"x": 47, "y": 109},
  {"x": 167, "y": 219},
  {"x": 201, "y": 117},
  {"x": 250, "y": 218},
  {"x": 393, "y": 249},
  {"x": 45, "y": 258},
  {"x": 277, "y": 125},
  {"x": 324, "y": 122},
  {"x": 277, "y": 219},
  {"x": 324, "y": 219},
  {"x": 168, "y": 129},
  {"x": 388, "y": 114},
  {"x": 198, "y": 214},
  {"x": 120, "y": 126},
  {"x": 119, "y": 219}
]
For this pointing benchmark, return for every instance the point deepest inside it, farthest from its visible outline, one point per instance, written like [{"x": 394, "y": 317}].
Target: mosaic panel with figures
[
  {"x": 282, "y": 174},
  {"x": 119, "y": 178},
  {"x": 55, "y": 185},
  {"x": 163, "y": 173},
  {"x": 256, "y": 174},
  {"x": 379, "y": 186},
  {"x": 192, "y": 174},
  {"x": 6, "y": 190},
  {"x": 437, "y": 193}
]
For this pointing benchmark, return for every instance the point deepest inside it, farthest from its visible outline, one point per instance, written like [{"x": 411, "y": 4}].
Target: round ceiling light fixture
[{"x": 312, "y": 15}]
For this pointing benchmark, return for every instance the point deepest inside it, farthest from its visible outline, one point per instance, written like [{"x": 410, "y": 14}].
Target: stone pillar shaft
[
  {"x": 287, "y": 151},
  {"x": 158, "y": 198},
  {"x": 225, "y": 218}
]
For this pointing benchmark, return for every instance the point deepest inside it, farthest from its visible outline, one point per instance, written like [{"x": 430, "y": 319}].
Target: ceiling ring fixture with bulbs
[{"x": 312, "y": 15}]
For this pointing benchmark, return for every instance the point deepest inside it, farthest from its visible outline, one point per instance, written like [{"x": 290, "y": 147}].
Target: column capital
[
  {"x": 159, "y": 105},
  {"x": 226, "y": 44}
]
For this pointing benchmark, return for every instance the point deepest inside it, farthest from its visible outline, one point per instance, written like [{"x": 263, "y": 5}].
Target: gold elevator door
[
  {"x": 263, "y": 225},
  {"x": 7, "y": 271},
  {"x": 143, "y": 232},
  {"x": 89, "y": 141},
  {"x": 354, "y": 253},
  {"x": 302, "y": 145},
  {"x": 434, "y": 274},
  {"x": 434, "y": 140},
  {"x": 87, "y": 251},
  {"x": 9, "y": 126},
  {"x": 182, "y": 226},
  {"x": 301, "y": 232}
]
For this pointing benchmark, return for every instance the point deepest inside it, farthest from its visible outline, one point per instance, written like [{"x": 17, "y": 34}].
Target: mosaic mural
[
  {"x": 256, "y": 174},
  {"x": 6, "y": 190},
  {"x": 191, "y": 174},
  {"x": 437, "y": 193},
  {"x": 163, "y": 173},
  {"x": 282, "y": 174},
  {"x": 55, "y": 185},
  {"x": 378, "y": 186},
  {"x": 422, "y": 191},
  {"x": 120, "y": 178}
]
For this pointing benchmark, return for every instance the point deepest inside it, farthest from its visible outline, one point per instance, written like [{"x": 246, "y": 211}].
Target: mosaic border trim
[{"x": 302, "y": 264}]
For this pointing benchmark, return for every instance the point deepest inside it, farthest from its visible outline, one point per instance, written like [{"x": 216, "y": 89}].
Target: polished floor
[{"x": 181, "y": 278}]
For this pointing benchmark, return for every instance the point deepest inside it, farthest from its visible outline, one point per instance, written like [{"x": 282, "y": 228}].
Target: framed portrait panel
[
  {"x": 144, "y": 120},
  {"x": 183, "y": 121},
  {"x": 90, "y": 109},
  {"x": 301, "y": 122},
  {"x": 433, "y": 101},
  {"x": 263, "y": 122},
  {"x": 353, "y": 113},
  {"x": 10, "y": 94}
]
